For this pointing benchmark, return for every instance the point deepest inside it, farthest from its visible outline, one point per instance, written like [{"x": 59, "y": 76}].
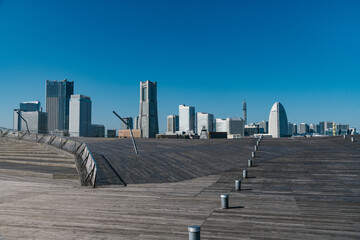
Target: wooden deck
[
  {"x": 173, "y": 160},
  {"x": 298, "y": 189}
]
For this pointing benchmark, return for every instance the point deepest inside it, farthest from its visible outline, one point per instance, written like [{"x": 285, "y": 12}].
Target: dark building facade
[{"x": 58, "y": 95}]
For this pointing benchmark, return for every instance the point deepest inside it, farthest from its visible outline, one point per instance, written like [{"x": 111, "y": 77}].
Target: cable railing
[{"x": 85, "y": 163}]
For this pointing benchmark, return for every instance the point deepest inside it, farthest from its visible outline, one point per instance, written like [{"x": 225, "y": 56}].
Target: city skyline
[
  {"x": 146, "y": 93},
  {"x": 205, "y": 54}
]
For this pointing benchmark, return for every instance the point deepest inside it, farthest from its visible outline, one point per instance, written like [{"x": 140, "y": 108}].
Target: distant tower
[
  {"x": 57, "y": 103},
  {"x": 148, "y": 114},
  {"x": 244, "y": 112}
]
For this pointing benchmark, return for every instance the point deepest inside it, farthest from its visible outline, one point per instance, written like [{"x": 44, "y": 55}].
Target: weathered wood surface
[
  {"x": 34, "y": 159},
  {"x": 310, "y": 193},
  {"x": 172, "y": 160}
]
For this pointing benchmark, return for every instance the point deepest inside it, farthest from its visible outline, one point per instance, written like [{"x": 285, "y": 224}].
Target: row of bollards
[{"x": 194, "y": 231}]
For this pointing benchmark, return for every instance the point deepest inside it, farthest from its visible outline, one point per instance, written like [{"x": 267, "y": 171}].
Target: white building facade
[
  {"x": 278, "y": 123},
  {"x": 80, "y": 116},
  {"x": 204, "y": 121},
  {"x": 186, "y": 119},
  {"x": 232, "y": 126}
]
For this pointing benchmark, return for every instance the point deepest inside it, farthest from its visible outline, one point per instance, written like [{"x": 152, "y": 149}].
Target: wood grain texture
[{"x": 297, "y": 189}]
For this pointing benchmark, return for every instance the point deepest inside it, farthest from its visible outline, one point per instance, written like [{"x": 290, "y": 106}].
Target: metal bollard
[
  {"x": 258, "y": 143},
  {"x": 194, "y": 232},
  {"x": 344, "y": 136},
  {"x": 224, "y": 201},
  {"x": 249, "y": 163},
  {"x": 256, "y": 148},
  {"x": 244, "y": 173},
  {"x": 253, "y": 154},
  {"x": 352, "y": 139},
  {"x": 237, "y": 185}
]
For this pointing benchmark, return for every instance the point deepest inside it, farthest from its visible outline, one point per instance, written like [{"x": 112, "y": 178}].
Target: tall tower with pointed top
[
  {"x": 148, "y": 114},
  {"x": 244, "y": 112}
]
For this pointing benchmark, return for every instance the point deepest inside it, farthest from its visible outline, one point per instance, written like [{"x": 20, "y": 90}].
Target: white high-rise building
[
  {"x": 235, "y": 126},
  {"x": 232, "y": 126},
  {"x": 221, "y": 125},
  {"x": 278, "y": 123},
  {"x": 80, "y": 116},
  {"x": 204, "y": 121},
  {"x": 186, "y": 119}
]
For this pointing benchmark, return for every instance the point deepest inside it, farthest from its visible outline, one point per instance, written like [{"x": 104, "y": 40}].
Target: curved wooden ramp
[{"x": 33, "y": 159}]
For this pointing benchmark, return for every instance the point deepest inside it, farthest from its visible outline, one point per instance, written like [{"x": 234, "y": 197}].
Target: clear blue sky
[{"x": 207, "y": 54}]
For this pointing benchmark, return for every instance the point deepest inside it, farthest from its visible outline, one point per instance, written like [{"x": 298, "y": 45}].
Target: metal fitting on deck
[
  {"x": 237, "y": 185},
  {"x": 224, "y": 201},
  {"x": 244, "y": 173},
  {"x": 194, "y": 232}
]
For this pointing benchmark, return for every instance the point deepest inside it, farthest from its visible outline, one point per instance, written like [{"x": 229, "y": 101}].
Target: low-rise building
[
  {"x": 125, "y": 133},
  {"x": 98, "y": 130}
]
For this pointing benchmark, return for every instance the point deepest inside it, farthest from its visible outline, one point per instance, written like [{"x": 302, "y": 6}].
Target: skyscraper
[
  {"x": 204, "y": 121},
  {"x": 148, "y": 114},
  {"x": 80, "y": 116},
  {"x": 57, "y": 103},
  {"x": 172, "y": 123},
  {"x": 221, "y": 125},
  {"x": 278, "y": 123},
  {"x": 244, "y": 112},
  {"x": 186, "y": 119}
]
